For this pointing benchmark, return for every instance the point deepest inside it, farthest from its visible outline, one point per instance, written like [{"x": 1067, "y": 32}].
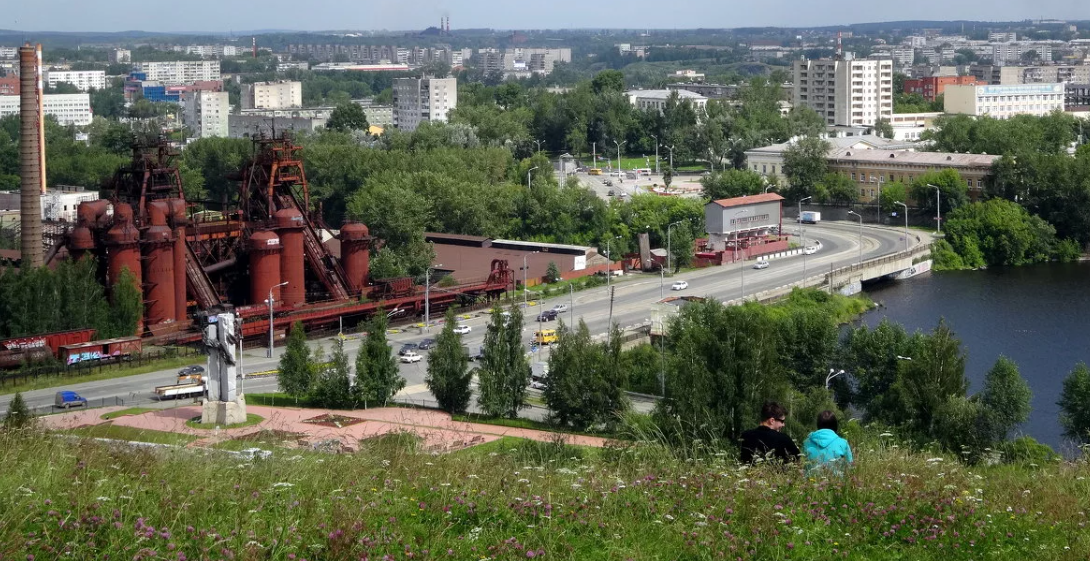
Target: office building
[
  {"x": 870, "y": 169},
  {"x": 206, "y": 113},
  {"x": 933, "y": 86},
  {"x": 272, "y": 95},
  {"x": 417, "y": 100},
  {"x": 846, "y": 91},
  {"x": 85, "y": 80},
  {"x": 179, "y": 72},
  {"x": 1003, "y": 102},
  {"x": 68, "y": 109}
]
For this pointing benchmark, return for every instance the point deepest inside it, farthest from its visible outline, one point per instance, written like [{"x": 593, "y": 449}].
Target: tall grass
[{"x": 512, "y": 499}]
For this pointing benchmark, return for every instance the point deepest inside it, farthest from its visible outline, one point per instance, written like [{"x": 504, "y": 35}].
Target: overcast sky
[{"x": 236, "y": 15}]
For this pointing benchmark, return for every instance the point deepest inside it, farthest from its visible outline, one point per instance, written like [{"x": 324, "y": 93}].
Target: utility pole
[
  {"x": 669, "y": 253},
  {"x": 528, "y": 172},
  {"x": 270, "y": 303},
  {"x": 803, "y": 229},
  {"x": 738, "y": 246},
  {"x": 609, "y": 336},
  {"x": 906, "y": 222},
  {"x": 594, "y": 155},
  {"x": 860, "y": 217},
  {"x": 571, "y": 302},
  {"x": 619, "y": 171},
  {"x": 525, "y": 287},
  {"x": 938, "y": 208},
  {"x": 656, "y": 154},
  {"x": 427, "y": 298}
]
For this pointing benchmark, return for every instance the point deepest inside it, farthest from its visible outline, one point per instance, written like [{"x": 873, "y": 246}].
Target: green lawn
[
  {"x": 129, "y": 411},
  {"x": 109, "y": 430}
]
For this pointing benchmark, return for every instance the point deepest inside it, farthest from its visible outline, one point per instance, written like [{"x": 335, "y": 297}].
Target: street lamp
[
  {"x": 619, "y": 170},
  {"x": 769, "y": 187},
  {"x": 737, "y": 246},
  {"x": 671, "y": 149},
  {"x": 656, "y": 154},
  {"x": 668, "y": 251},
  {"x": 427, "y": 297},
  {"x": 860, "y": 217},
  {"x": 938, "y": 207},
  {"x": 802, "y": 226},
  {"x": 538, "y": 144},
  {"x": 609, "y": 261},
  {"x": 833, "y": 373},
  {"x": 906, "y": 221},
  {"x": 899, "y": 357},
  {"x": 525, "y": 287},
  {"x": 270, "y": 303},
  {"x": 528, "y": 172}
]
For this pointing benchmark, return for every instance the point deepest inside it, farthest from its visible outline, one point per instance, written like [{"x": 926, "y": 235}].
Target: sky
[{"x": 318, "y": 15}]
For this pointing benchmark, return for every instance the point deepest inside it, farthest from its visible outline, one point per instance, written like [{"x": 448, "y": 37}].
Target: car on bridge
[
  {"x": 547, "y": 315},
  {"x": 560, "y": 308}
]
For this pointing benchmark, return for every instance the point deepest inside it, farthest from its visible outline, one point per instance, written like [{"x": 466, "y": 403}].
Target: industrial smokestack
[
  {"x": 41, "y": 115},
  {"x": 255, "y": 46},
  {"x": 30, "y": 159}
]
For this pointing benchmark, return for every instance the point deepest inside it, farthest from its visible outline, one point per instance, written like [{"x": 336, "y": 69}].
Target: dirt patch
[{"x": 333, "y": 420}]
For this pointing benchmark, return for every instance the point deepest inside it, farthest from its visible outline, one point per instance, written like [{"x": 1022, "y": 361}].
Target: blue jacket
[{"x": 824, "y": 448}]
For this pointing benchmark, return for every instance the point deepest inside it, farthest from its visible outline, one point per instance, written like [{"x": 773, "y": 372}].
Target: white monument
[{"x": 224, "y": 405}]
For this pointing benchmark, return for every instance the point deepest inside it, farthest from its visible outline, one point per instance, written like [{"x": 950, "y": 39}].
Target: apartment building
[
  {"x": 1076, "y": 95},
  {"x": 206, "y": 113},
  {"x": 537, "y": 60},
  {"x": 68, "y": 109},
  {"x": 85, "y": 80},
  {"x": 1003, "y": 102},
  {"x": 417, "y": 100},
  {"x": 1015, "y": 51},
  {"x": 272, "y": 95},
  {"x": 270, "y": 122},
  {"x": 870, "y": 169},
  {"x": 179, "y": 72},
  {"x": 1002, "y": 36},
  {"x": 847, "y": 91},
  {"x": 121, "y": 56},
  {"x": 933, "y": 86},
  {"x": 9, "y": 85},
  {"x": 1012, "y": 75},
  {"x": 377, "y": 115}
]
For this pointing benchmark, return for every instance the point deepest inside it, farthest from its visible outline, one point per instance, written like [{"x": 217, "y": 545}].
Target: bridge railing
[{"x": 846, "y": 271}]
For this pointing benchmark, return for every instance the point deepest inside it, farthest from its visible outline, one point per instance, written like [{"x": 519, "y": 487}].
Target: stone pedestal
[{"x": 223, "y": 413}]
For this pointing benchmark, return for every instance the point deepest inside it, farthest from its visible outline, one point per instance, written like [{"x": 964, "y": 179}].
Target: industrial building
[
  {"x": 58, "y": 204},
  {"x": 418, "y": 100},
  {"x": 1003, "y": 102},
  {"x": 268, "y": 123},
  {"x": 870, "y": 169},
  {"x": 469, "y": 258},
  {"x": 68, "y": 109},
  {"x": 845, "y": 91}
]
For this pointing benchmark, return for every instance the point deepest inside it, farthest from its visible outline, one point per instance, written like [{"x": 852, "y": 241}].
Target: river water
[{"x": 1035, "y": 315}]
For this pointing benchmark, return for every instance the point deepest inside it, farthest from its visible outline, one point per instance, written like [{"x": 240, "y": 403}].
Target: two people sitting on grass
[{"x": 823, "y": 449}]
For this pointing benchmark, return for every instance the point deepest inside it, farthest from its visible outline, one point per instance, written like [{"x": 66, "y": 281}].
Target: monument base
[{"x": 224, "y": 413}]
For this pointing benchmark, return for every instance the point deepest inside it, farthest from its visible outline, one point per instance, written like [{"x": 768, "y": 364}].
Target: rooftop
[
  {"x": 917, "y": 158},
  {"x": 748, "y": 200},
  {"x": 664, "y": 94},
  {"x": 863, "y": 142}
]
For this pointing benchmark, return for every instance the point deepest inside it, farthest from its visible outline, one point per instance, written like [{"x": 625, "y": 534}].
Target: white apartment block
[
  {"x": 1003, "y": 102},
  {"x": 9, "y": 52},
  {"x": 420, "y": 100},
  {"x": 68, "y": 109},
  {"x": 180, "y": 72},
  {"x": 120, "y": 56},
  {"x": 296, "y": 65},
  {"x": 916, "y": 41},
  {"x": 85, "y": 80},
  {"x": 272, "y": 95},
  {"x": 845, "y": 92},
  {"x": 206, "y": 113},
  {"x": 1002, "y": 36},
  {"x": 1011, "y": 53}
]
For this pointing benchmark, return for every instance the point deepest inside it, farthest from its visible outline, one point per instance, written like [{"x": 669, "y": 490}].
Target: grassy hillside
[{"x": 517, "y": 500}]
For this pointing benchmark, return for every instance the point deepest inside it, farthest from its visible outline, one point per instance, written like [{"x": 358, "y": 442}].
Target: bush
[
  {"x": 19, "y": 415},
  {"x": 1026, "y": 450}
]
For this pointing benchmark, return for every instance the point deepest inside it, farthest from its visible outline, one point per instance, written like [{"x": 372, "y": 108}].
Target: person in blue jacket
[{"x": 824, "y": 448}]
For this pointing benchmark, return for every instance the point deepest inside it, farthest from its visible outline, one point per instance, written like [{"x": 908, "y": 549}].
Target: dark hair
[
  {"x": 772, "y": 410},
  {"x": 827, "y": 420}
]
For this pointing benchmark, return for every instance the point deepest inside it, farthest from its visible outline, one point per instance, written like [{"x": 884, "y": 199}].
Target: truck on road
[
  {"x": 810, "y": 217},
  {"x": 188, "y": 385}
]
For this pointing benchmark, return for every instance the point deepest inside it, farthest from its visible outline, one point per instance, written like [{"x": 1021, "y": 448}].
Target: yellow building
[{"x": 871, "y": 168}]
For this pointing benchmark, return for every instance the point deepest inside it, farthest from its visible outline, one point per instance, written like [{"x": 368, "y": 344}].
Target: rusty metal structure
[{"x": 189, "y": 262}]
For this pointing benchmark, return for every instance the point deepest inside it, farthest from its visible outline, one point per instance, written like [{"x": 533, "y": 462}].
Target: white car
[
  {"x": 560, "y": 308},
  {"x": 411, "y": 357},
  {"x": 761, "y": 265},
  {"x": 810, "y": 250},
  {"x": 462, "y": 329},
  {"x": 679, "y": 285}
]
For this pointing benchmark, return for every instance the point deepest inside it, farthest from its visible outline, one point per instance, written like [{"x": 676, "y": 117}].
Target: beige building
[
  {"x": 206, "y": 113},
  {"x": 870, "y": 169},
  {"x": 417, "y": 100},
  {"x": 272, "y": 95},
  {"x": 656, "y": 99},
  {"x": 846, "y": 91},
  {"x": 1003, "y": 102}
]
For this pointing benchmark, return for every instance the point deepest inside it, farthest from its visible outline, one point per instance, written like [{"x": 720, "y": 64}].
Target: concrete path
[{"x": 436, "y": 429}]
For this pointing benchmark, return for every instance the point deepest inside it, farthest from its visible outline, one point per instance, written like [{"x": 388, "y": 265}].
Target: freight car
[
  {"x": 18, "y": 351},
  {"x": 120, "y": 348}
]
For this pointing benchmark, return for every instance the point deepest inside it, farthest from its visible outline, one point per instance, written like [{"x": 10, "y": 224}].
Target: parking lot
[{"x": 684, "y": 185}]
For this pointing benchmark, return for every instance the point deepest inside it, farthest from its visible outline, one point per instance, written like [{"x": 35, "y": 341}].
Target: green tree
[
  {"x": 953, "y": 189},
  {"x": 872, "y": 354},
  {"x": 347, "y": 117},
  {"x": 805, "y": 164},
  {"x": 448, "y": 374},
  {"x": 332, "y": 384},
  {"x": 504, "y": 372},
  {"x": 883, "y": 128},
  {"x": 608, "y": 81},
  {"x": 583, "y": 388},
  {"x": 1006, "y": 399},
  {"x": 839, "y": 189},
  {"x": 296, "y": 371},
  {"x": 1000, "y": 232},
  {"x": 552, "y": 273},
  {"x": 128, "y": 306},
  {"x": 18, "y": 415},
  {"x": 732, "y": 183},
  {"x": 1075, "y": 404},
  {"x": 891, "y": 193},
  {"x": 383, "y": 379},
  {"x": 931, "y": 375}
]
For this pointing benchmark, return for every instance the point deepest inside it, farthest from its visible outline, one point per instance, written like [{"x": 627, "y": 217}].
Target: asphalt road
[{"x": 634, "y": 295}]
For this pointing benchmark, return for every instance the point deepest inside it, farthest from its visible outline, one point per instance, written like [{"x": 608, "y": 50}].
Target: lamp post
[
  {"x": 656, "y": 154},
  {"x": 769, "y": 187},
  {"x": 619, "y": 170},
  {"x": 879, "y": 200},
  {"x": 538, "y": 144},
  {"x": 669, "y": 253},
  {"x": 427, "y": 297},
  {"x": 803, "y": 229},
  {"x": 571, "y": 303},
  {"x": 906, "y": 221},
  {"x": 525, "y": 278},
  {"x": 737, "y": 246},
  {"x": 860, "y": 217},
  {"x": 609, "y": 262},
  {"x": 528, "y": 172},
  {"x": 833, "y": 373},
  {"x": 270, "y": 303},
  {"x": 938, "y": 208},
  {"x": 671, "y": 149}
]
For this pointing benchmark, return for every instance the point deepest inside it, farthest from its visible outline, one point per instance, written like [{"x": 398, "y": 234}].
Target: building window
[{"x": 853, "y": 177}]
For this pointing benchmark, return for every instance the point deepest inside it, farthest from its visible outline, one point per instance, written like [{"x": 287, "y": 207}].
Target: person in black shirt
[{"x": 766, "y": 442}]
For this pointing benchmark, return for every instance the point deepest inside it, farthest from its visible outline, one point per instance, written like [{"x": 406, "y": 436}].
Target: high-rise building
[
  {"x": 85, "y": 80},
  {"x": 845, "y": 91},
  {"x": 179, "y": 72},
  {"x": 425, "y": 99},
  {"x": 272, "y": 95},
  {"x": 69, "y": 109},
  {"x": 206, "y": 113}
]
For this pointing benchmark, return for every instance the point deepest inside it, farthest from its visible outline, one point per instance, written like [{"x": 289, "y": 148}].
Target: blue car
[{"x": 66, "y": 399}]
